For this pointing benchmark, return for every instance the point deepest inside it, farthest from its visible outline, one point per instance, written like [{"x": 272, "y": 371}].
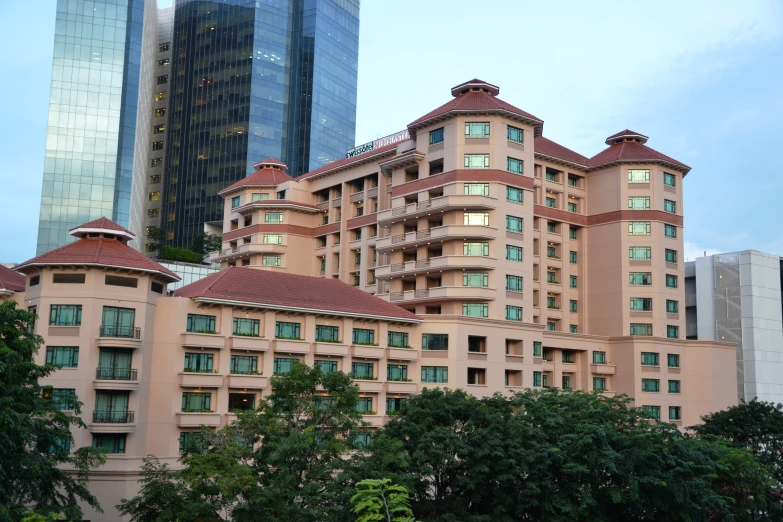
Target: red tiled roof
[
  {"x": 264, "y": 287},
  {"x": 474, "y": 102},
  {"x": 99, "y": 252},
  {"x": 10, "y": 280},
  {"x": 626, "y": 132},
  {"x": 346, "y": 162},
  {"x": 632, "y": 151},
  {"x": 264, "y": 177},
  {"x": 549, "y": 148},
  {"x": 105, "y": 224},
  {"x": 270, "y": 161}
]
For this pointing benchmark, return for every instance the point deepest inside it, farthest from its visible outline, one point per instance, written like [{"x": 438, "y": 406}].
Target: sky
[{"x": 702, "y": 79}]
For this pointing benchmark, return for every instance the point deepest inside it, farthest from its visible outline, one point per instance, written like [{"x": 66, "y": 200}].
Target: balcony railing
[
  {"x": 125, "y": 332},
  {"x": 422, "y": 263},
  {"x": 116, "y": 374},
  {"x": 398, "y": 267},
  {"x": 112, "y": 417},
  {"x": 396, "y": 296}
]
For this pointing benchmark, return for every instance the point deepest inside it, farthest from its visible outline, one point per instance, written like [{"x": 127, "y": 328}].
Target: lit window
[
  {"x": 476, "y": 218},
  {"x": 638, "y": 176},
  {"x": 475, "y": 279},
  {"x": 160, "y": 113},
  {"x": 273, "y": 217},
  {"x": 476, "y": 129},
  {"x": 475, "y": 309},
  {"x": 640, "y": 253},
  {"x": 159, "y": 129},
  {"x": 154, "y": 196},
  {"x": 476, "y": 189},
  {"x": 639, "y": 203},
  {"x": 639, "y": 228},
  {"x": 475, "y": 249},
  {"x": 476, "y": 161},
  {"x": 275, "y": 239},
  {"x": 270, "y": 260},
  {"x": 155, "y": 179},
  {"x": 160, "y": 96}
]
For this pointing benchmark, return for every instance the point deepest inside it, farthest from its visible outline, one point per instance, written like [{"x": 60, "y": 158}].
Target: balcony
[
  {"x": 435, "y": 263},
  {"x": 402, "y": 387},
  {"x": 440, "y": 293},
  {"x": 247, "y": 382},
  {"x": 200, "y": 380},
  {"x": 402, "y": 354},
  {"x": 603, "y": 369},
  {"x": 116, "y": 379},
  {"x": 203, "y": 340},
  {"x": 112, "y": 422},
  {"x": 323, "y": 205},
  {"x": 246, "y": 342},
  {"x": 291, "y": 346},
  {"x": 443, "y": 233},
  {"x": 113, "y": 336},
  {"x": 366, "y": 386},
  {"x": 367, "y": 352},
  {"x": 247, "y": 248},
  {"x": 337, "y": 349},
  {"x": 374, "y": 421},
  {"x": 197, "y": 419},
  {"x": 436, "y": 205}
]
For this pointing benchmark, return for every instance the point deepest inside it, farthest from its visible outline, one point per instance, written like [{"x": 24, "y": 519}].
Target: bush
[{"x": 180, "y": 254}]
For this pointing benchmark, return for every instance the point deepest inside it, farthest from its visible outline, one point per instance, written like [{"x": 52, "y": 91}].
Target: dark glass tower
[
  {"x": 252, "y": 79},
  {"x": 90, "y": 136}
]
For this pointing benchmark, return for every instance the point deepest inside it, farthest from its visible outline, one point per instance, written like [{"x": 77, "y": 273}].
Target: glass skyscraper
[
  {"x": 252, "y": 79},
  {"x": 90, "y": 137}
]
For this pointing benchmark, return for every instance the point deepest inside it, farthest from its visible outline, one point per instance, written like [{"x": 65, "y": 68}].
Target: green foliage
[
  {"x": 379, "y": 500},
  {"x": 206, "y": 243},
  {"x": 32, "y": 431},
  {"x": 180, "y": 254}
]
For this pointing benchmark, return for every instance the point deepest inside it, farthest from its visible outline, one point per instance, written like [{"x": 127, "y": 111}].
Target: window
[
  {"x": 271, "y": 260},
  {"x": 640, "y": 278},
  {"x": 641, "y": 329},
  {"x": 436, "y": 136},
  {"x": 515, "y": 134},
  {"x": 363, "y": 336},
  {"x": 672, "y": 307},
  {"x": 155, "y": 179},
  {"x": 241, "y": 401},
  {"x": 198, "y": 362},
  {"x": 573, "y": 181},
  {"x": 396, "y": 372},
  {"x": 63, "y": 356},
  {"x": 551, "y": 202},
  {"x": 514, "y": 253},
  {"x": 551, "y": 302},
  {"x": 476, "y": 161},
  {"x": 673, "y": 332},
  {"x": 476, "y": 218},
  {"x": 640, "y": 253},
  {"x": 514, "y": 165},
  {"x": 327, "y": 334},
  {"x": 154, "y": 196},
  {"x": 573, "y": 328},
  {"x": 259, "y": 196},
  {"x": 552, "y": 175},
  {"x": 639, "y": 228},
  {"x": 572, "y": 306},
  {"x": 537, "y": 349},
  {"x": 281, "y": 194},
  {"x": 638, "y": 176},
  {"x": 652, "y": 411},
  {"x": 128, "y": 282},
  {"x": 671, "y": 281},
  {"x": 156, "y": 287},
  {"x": 434, "y": 374},
  {"x": 599, "y": 383},
  {"x": 649, "y": 359},
  {"x": 159, "y": 113},
  {"x": 513, "y": 283},
  {"x": 571, "y": 207},
  {"x": 599, "y": 357},
  {"x": 551, "y": 277},
  {"x": 156, "y": 162},
  {"x": 275, "y": 239},
  {"x": 476, "y": 189},
  {"x": 669, "y": 179},
  {"x": 394, "y": 405},
  {"x": 68, "y": 278},
  {"x": 64, "y": 399},
  {"x": 112, "y": 442},
  {"x": 162, "y": 95},
  {"x": 285, "y": 330},
  {"x": 641, "y": 304},
  {"x": 675, "y": 412},
  {"x": 244, "y": 364},
  {"x": 157, "y": 145},
  {"x": 572, "y": 232},
  {"x": 639, "y": 203},
  {"x": 325, "y": 366},
  {"x": 476, "y": 129},
  {"x": 65, "y": 315},
  {"x": 246, "y": 327},
  {"x": 669, "y": 206},
  {"x": 434, "y": 342},
  {"x": 513, "y": 313},
  {"x": 196, "y": 401},
  {"x": 323, "y": 265},
  {"x": 475, "y": 279},
  {"x": 551, "y": 326},
  {"x": 552, "y": 252},
  {"x": 159, "y": 129},
  {"x": 572, "y": 257},
  {"x": 514, "y": 224},
  {"x": 673, "y": 360},
  {"x": 475, "y": 309},
  {"x": 536, "y": 379},
  {"x": 551, "y": 227},
  {"x": 514, "y": 194},
  {"x": 671, "y": 256},
  {"x": 475, "y": 249},
  {"x": 153, "y": 212},
  {"x": 361, "y": 439},
  {"x": 651, "y": 385},
  {"x": 273, "y": 217},
  {"x": 566, "y": 381},
  {"x": 670, "y": 231},
  {"x": 674, "y": 386},
  {"x": 363, "y": 370},
  {"x": 572, "y": 281},
  {"x": 235, "y": 202},
  {"x": 201, "y": 323},
  {"x": 398, "y": 340},
  {"x": 162, "y": 62},
  {"x": 283, "y": 365},
  {"x": 163, "y": 79}
]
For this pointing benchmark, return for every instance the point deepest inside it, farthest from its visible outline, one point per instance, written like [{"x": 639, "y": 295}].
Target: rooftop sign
[{"x": 377, "y": 144}]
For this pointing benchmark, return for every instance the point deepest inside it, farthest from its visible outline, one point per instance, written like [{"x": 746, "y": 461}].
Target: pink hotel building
[{"x": 467, "y": 252}]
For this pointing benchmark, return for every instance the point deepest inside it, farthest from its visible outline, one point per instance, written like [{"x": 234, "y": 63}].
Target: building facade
[
  {"x": 736, "y": 297},
  {"x": 469, "y": 252},
  {"x": 249, "y": 80}
]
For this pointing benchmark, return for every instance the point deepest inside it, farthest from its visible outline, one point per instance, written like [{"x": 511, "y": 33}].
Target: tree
[
  {"x": 379, "y": 500},
  {"x": 35, "y": 436},
  {"x": 279, "y": 462},
  {"x": 206, "y": 243},
  {"x": 158, "y": 236}
]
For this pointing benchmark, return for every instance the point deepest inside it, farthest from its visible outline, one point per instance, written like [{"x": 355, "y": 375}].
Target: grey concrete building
[{"x": 736, "y": 297}]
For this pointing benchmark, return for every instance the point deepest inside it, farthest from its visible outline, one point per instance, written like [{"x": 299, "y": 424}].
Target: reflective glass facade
[
  {"x": 90, "y": 138},
  {"x": 251, "y": 80}
]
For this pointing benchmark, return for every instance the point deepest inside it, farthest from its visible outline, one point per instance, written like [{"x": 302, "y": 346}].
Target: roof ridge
[
  {"x": 98, "y": 251},
  {"x": 219, "y": 277}
]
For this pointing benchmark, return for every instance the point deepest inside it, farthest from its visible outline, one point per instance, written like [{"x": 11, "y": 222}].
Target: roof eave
[
  {"x": 284, "y": 308},
  {"x": 676, "y": 166},
  {"x": 229, "y": 190},
  {"x": 7, "y": 291},
  {"x": 538, "y": 125},
  {"x": 359, "y": 160},
  {"x": 561, "y": 161},
  {"x": 24, "y": 266},
  {"x": 78, "y": 230}
]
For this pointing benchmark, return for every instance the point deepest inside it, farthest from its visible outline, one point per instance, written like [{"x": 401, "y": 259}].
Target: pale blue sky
[{"x": 702, "y": 79}]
